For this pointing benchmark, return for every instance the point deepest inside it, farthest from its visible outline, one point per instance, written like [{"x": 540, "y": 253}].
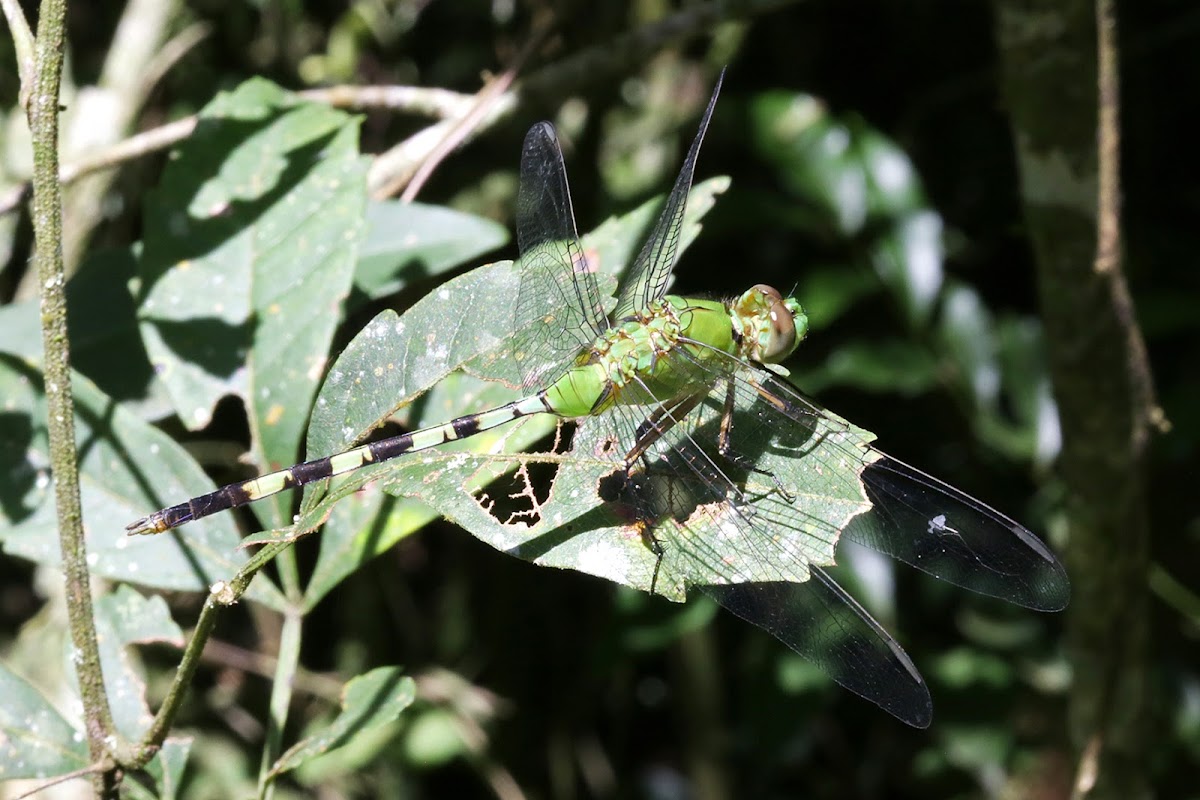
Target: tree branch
[{"x": 1060, "y": 82}]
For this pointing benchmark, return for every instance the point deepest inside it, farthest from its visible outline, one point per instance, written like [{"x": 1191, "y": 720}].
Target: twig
[
  {"x": 43, "y": 110},
  {"x": 282, "y": 686},
  {"x": 486, "y": 98},
  {"x": 230, "y": 656},
  {"x": 401, "y": 162},
  {"x": 454, "y": 137},
  {"x": 101, "y": 115},
  {"x": 22, "y": 43},
  {"x": 121, "y": 90},
  {"x": 1100, "y": 751},
  {"x": 134, "y": 147},
  {"x": 90, "y": 769},
  {"x": 438, "y": 103},
  {"x": 220, "y": 595},
  {"x": 398, "y": 165},
  {"x": 1094, "y": 354},
  {"x": 1108, "y": 223},
  {"x": 170, "y": 54},
  {"x": 428, "y": 101}
]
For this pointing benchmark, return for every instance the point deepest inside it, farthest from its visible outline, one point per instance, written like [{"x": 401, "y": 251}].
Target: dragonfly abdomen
[{"x": 238, "y": 494}]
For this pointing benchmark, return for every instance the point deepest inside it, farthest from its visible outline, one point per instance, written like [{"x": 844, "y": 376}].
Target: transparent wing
[
  {"x": 559, "y": 309},
  {"x": 917, "y": 518},
  {"x": 647, "y": 278},
  {"x": 952, "y": 536},
  {"x": 927, "y": 523},
  {"x": 723, "y": 528},
  {"x": 821, "y": 622},
  {"x": 752, "y": 511}
]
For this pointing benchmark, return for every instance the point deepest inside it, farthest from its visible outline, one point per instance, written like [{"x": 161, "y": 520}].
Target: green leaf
[
  {"x": 848, "y": 181},
  {"x": 126, "y": 467},
  {"x": 363, "y": 754},
  {"x": 124, "y": 618},
  {"x": 968, "y": 336},
  {"x": 1034, "y": 424},
  {"x": 250, "y": 249},
  {"x": 369, "y": 522},
  {"x": 368, "y": 701},
  {"x": 394, "y": 360},
  {"x": 909, "y": 260},
  {"x": 433, "y": 738},
  {"x": 573, "y": 526},
  {"x": 894, "y": 188},
  {"x": 1000, "y": 367},
  {"x": 35, "y": 740},
  {"x": 830, "y": 292},
  {"x": 168, "y": 765},
  {"x": 38, "y": 742},
  {"x": 976, "y": 748},
  {"x": 844, "y": 169},
  {"x": 813, "y": 155},
  {"x": 408, "y": 242},
  {"x": 105, "y": 344},
  {"x": 645, "y": 626}
]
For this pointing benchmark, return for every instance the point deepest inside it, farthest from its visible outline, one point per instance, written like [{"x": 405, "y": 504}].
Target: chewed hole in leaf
[
  {"x": 517, "y": 498},
  {"x": 513, "y": 491},
  {"x": 564, "y": 437}
]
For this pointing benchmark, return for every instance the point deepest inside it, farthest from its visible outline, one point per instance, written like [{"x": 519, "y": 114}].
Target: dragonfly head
[{"x": 771, "y": 325}]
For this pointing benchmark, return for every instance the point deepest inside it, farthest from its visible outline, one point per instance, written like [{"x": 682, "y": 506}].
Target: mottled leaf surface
[{"x": 250, "y": 249}]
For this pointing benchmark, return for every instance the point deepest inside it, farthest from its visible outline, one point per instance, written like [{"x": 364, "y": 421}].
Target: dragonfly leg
[
  {"x": 631, "y": 488},
  {"x": 725, "y": 439},
  {"x": 660, "y": 421},
  {"x": 655, "y": 547}
]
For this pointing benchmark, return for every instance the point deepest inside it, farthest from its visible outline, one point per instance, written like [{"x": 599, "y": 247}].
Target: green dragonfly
[{"x": 688, "y": 397}]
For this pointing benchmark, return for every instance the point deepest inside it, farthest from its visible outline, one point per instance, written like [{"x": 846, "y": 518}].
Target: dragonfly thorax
[
  {"x": 638, "y": 345},
  {"x": 657, "y": 348},
  {"x": 652, "y": 353}
]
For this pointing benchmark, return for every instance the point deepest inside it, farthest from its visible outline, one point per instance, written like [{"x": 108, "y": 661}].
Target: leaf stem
[{"x": 281, "y": 699}]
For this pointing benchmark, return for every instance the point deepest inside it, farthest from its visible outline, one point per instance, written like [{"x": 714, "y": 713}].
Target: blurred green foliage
[{"x": 870, "y": 165}]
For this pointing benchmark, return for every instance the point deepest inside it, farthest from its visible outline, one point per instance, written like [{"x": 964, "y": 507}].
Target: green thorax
[
  {"x": 638, "y": 349},
  {"x": 641, "y": 350}
]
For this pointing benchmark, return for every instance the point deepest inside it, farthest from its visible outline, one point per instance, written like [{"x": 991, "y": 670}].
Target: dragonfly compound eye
[
  {"x": 781, "y": 339},
  {"x": 775, "y": 320}
]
